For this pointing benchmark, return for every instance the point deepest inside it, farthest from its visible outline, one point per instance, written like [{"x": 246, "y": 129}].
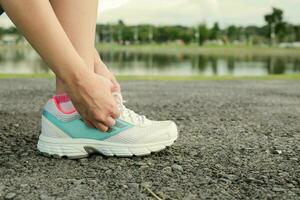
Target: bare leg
[
  {"x": 38, "y": 23},
  {"x": 78, "y": 19},
  {"x": 79, "y": 22},
  {"x": 89, "y": 92}
]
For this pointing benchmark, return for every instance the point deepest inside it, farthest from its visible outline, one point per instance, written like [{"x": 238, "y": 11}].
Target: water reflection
[
  {"x": 21, "y": 60},
  {"x": 25, "y": 60}
]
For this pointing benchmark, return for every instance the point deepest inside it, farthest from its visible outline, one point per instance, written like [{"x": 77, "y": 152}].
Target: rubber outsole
[{"x": 71, "y": 151}]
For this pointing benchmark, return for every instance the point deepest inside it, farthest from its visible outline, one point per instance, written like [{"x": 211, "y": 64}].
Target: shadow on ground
[{"x": 238, "y": 139}]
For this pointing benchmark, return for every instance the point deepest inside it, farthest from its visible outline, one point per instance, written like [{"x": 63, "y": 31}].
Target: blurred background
[{"x": 181, "y": 38}]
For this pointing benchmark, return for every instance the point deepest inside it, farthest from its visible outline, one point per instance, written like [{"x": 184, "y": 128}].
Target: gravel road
[{"x": 238, "y": 140}]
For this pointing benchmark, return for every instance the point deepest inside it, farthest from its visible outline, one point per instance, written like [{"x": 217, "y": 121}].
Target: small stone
[
  {"x": 24, "y": 185},
  {"x": 190, "y": 197},
  {"x": 203, "y": 181},
  {"x": 225, "y": 180},
  {"x": 83, "y": 161},
  {"x": 45, "y": 197},
  {"x": 10, "y": 195},
  {"x": 133, "y": 185},
  {"x": 93, "y": 182},
  {"x": 16, "y": 125},
  {"x": 284, "y": 174},
  {"x": 24, "y": 154},
  {"x": 183, "y": 177},
  {"x": 140, "y": 164},
  {"x": 294, "y": 159},
  {"x": 143, "y": 167},
  {"x": 169, "y": 189},
  {"x": 2, "y": 187},
  {"x": 149, "y": 163},
  {"x": 176, "y": 167},
  {"x": 290, "y": 185},
  {"x": 167, "y": 170},
  {"x": 251, "y": 179},
  {"x": 278, "y": 189},
  {"x": 278, "y": 151},
  {"x": 296, "y": 190},
  {"x": 77, "y": 181},
  {"x": 231, "y": 177}
]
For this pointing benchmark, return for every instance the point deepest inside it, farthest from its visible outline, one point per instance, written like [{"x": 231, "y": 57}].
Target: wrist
[{"x": 76, "y": 75}]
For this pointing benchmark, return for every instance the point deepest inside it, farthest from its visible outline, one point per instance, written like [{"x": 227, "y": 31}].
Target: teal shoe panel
[{"x": 78, "y": 129}]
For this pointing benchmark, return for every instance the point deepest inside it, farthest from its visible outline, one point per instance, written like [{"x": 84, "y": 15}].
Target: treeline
[
  {"x": 10, "y": 30},
  {"x": 161, "y": 34},
  {"x": 276, "y": 30}
]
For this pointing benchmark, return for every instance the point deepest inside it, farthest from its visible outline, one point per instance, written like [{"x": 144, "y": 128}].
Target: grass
[
  {"x": 174, "y": 48},
  {"x": 203, "y": 78},
  {"x": 171, "y": 78},
  {"x": 229, "y": 50},
  {"x": 12, "y": 76}
]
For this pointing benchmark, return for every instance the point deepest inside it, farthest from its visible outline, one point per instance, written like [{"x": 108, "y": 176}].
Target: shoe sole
[{"x": 81, "y": 148}]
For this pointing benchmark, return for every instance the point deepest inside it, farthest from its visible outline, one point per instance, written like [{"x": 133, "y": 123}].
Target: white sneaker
[{"x": 66, "y": 135}]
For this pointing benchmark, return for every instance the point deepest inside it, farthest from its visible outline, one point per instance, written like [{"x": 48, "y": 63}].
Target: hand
[
  {"x": 93, "y": 99},
  {"x": 101, "y": 69}
]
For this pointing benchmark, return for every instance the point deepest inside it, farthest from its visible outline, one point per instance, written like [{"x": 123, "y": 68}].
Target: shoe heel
[{"x": 60, "y": 150}]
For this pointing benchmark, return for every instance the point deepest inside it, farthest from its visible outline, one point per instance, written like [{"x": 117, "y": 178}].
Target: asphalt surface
[{"x": 238, "y": 140}]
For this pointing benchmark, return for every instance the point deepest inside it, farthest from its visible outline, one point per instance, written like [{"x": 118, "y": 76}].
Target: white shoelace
[{"x": 126, "y": 113}]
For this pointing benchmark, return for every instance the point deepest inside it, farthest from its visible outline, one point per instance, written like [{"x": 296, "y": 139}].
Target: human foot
[{"x": 66, "y": 135}]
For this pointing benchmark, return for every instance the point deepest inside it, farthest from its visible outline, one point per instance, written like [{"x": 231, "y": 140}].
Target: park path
[{"x": 238, "y": 139}]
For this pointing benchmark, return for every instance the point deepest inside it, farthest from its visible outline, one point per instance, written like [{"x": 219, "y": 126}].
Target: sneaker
[{"x": 66, "y": 135}]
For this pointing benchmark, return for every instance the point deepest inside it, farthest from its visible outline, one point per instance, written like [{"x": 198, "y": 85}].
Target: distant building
[
  {"x": 289, "y": 45},
  {"x": 11, "y": 39}
]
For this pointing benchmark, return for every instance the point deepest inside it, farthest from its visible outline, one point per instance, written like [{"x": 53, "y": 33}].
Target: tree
[
  {"x": 233, "y": 33},
  {"x": 215, "y": 32},
  {"x": 275, "y": 23},
  {"x": 202, "y": 34},
  {"x": 297, "y": 32},
  {"x": 120, "y": 26}
]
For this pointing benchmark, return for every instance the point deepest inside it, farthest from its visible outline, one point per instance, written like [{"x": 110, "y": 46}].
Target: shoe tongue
[
  {"x": 122, "y": 108},
  {"x": 119, "y": 100}
]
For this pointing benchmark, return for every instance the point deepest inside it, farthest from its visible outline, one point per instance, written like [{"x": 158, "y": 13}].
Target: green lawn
[
  {"x": 229, "y": 50},
  {"x": 173, "y": 48},
  {"x": 171, "y": 78}
]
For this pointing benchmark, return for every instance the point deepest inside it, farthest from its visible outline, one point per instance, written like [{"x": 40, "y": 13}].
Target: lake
[{"x": 26, "y": 61}]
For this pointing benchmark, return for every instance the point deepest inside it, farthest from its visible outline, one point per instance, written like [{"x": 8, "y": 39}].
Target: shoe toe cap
[
  {"x": 165, "y": 131},
  {"x": 172, "y": 130}
]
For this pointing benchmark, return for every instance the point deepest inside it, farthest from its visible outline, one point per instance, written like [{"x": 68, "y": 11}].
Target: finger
[
  {"x": 88, "y": 123},
  {"x": 111, "y": 85},
  {"x": 110, "y": 122},
  {"x": 100, "y": 126},
  {"x": 115, "y": 114},
  {"x": 116, "y": 86}
]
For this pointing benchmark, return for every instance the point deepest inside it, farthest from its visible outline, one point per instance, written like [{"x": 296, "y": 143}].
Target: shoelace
[{"x": 126, "y": 113}]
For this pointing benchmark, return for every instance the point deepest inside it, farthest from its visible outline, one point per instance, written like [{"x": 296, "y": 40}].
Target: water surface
[{"x": 25, "y": 60}]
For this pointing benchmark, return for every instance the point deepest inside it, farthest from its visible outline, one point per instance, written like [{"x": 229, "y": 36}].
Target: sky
[{"x": 191, "y": 12}]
